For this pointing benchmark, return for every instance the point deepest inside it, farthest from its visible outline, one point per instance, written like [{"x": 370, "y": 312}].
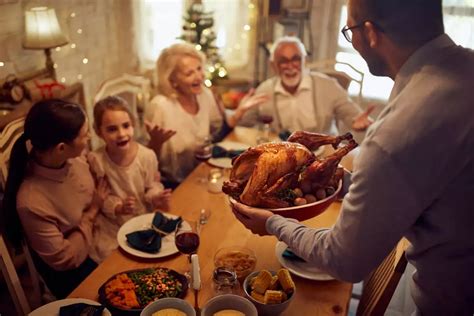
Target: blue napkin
[
  {"x": 288, "y": 254},
  {"x": 81, "y": 309},
  {"x": 165, "y": 225},
  {"x": 284, "y": 134},
  {"x": 221, "y": 152},
  {"x": 145, "y": 240},
  {"x": 149, "y": 240}
]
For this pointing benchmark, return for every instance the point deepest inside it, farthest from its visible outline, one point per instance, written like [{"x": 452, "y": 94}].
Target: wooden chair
[
  {"x": 136, "y": 90},
  {"x": 13, "y": 282},
  {"x": 343, "y": 72},
  {"x": 381, "y": 284},
  {"x": 8, "y": 136}
]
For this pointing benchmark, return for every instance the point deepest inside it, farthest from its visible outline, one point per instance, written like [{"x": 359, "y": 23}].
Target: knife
[{"x": 196, "y": 281}]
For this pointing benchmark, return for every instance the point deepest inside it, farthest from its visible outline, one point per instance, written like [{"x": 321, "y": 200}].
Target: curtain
[
  {"x": 234, "y": 25},
  {"x": 157, "y": 25}
]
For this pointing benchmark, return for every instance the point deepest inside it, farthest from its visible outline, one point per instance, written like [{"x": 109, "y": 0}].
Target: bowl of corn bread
[
  {"x": 229, "y": 305},
  {"x": 271, "y": 292}
]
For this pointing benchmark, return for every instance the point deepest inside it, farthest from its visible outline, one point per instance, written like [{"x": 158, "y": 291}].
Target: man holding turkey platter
[{"x": 414, "y": 176}]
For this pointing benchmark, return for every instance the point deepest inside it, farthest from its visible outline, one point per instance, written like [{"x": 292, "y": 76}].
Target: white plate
[
  {"x": 143, "y": 222},
  {"x": 226, "y": 162},
  {"x": 300, "y": 268},
  {"x": 52, "y": 309}
]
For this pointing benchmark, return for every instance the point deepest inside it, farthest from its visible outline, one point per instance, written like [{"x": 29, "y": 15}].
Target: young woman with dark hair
[{"x": 50, "y": 195}]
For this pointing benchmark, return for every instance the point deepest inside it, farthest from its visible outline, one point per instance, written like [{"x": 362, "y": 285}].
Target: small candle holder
[{"x": 215, "y": 181}]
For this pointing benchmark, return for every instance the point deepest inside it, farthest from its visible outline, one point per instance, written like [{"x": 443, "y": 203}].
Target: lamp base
[{"x": 50, "y": 63}]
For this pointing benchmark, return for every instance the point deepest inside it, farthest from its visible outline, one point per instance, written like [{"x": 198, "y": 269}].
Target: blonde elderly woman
[{"x": 185, "y": 111}]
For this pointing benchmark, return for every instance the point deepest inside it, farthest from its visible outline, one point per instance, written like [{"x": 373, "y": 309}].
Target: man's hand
[
  {"x": 162, "y": 200},
  {"x": 252, "y": 218},
  {"x": 363, "y": 121},
  {"x": 158, "y": 135}
]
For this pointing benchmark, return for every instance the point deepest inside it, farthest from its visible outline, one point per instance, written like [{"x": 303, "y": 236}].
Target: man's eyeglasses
[
  {"x": 295, "y": 60},
  {"x": 347, "y": 30}
]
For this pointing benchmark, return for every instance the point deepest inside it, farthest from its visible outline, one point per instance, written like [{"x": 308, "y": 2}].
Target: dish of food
[
  {"x": 286, "y": 174},
  {"x": 169, "y": 306},
  {"x": 133, "y": 290},
  {"x": 242, "y": 260},
  {"x": 271, "y": 292},
  {"x": 228, "y": 305},
  {"x": 300, "y": 267},
  {"x": 52, "y": 308},
  {"x": 226, "y": 162},
  {"x": 142, "y": 222}
]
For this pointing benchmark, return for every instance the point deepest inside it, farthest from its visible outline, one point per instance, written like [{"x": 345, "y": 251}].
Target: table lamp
[{"x": 42, "y": 31}]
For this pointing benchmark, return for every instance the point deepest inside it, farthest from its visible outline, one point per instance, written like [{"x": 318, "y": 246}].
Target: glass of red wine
[
  {"x": 203, "y": 152},
  {"x": 186, "y": 239},
  {"x": 264, "y": 131}
]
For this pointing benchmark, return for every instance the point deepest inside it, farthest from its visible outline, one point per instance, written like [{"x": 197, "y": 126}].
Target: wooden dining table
[{"x": 222, "y": 230}]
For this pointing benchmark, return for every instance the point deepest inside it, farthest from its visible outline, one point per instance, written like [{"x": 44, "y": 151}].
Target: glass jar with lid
[{"x": 224, "y": 281}]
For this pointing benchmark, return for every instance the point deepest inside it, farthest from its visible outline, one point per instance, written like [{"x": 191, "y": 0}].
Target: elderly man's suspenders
[{"x": 277, "y": 112}]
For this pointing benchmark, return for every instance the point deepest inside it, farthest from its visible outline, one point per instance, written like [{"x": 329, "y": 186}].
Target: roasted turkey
[{"x": 261, "y": 175}]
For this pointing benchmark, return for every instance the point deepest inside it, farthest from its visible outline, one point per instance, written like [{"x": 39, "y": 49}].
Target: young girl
[
  {"x": 52, "y": 192},
  {"x": 131, "y": 170}
]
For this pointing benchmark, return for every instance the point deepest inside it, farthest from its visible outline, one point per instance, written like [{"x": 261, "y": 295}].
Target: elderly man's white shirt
[{"x": 316, "y": 105}]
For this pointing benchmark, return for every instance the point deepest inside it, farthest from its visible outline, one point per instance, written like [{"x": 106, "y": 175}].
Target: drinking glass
[
  {"x": 264, "y": 132},
  {"x": 203, "y": 152},
  {"x": 186, "y": 240}
]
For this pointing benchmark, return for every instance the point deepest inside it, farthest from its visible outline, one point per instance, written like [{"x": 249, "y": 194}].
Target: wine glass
[
  {"x": 264, "y": 133},
  {"x": 186, "y": 240},
  {"x": 203, "y": 152}
]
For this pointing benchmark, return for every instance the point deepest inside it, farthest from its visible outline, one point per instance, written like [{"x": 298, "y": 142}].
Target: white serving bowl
[
  {"x": 168, "y": 302},
  {"x": 229, "y": 301}
]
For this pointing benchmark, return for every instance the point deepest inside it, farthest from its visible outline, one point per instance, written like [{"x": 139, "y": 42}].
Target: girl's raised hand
[
  {"x": 129, "y": 205},
  {"x": 162, "y": 201},
  {"x": 102, "y": 190}
]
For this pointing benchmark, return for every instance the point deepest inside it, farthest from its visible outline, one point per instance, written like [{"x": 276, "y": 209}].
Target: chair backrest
[
  {"x": 8, "y": 136},
  {"x": 343, "y": 72},
  {"x": 136, "y": 90},
  {"x": 382, "y": 282},
  {"x": 13, "y": 282}
]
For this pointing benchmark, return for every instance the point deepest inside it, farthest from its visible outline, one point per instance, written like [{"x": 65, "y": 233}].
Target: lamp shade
[{"x": 42, "y": 29}]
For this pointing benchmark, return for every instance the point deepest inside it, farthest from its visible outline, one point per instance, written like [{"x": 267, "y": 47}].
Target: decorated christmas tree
[{"x": 197, "y": 30}]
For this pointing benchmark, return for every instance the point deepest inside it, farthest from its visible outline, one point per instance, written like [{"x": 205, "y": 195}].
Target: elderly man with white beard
[{"x": 299, "y": 100}]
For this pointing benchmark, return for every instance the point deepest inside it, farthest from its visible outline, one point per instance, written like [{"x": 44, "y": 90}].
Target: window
[
  {"x": 158, "y": 24},
  {"x": 234, "y": 31},
  {"x": 459, "y": 21},
  {"x": 374, "y": 87},
  {"x": 459, "y": 25}
]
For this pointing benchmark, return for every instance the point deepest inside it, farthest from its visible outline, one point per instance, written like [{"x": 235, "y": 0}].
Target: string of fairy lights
[{"x": 77, "y": 35}]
